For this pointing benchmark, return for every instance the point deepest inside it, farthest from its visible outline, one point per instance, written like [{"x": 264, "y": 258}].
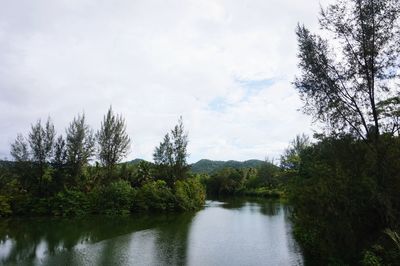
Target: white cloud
[{"x": 154, "y": 61}]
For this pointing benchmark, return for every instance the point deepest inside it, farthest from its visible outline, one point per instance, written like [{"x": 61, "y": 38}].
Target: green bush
[
  {"x": 21, "y": 204},
  {"x": 344, "y": 195},
  {"x": 5, "y": 208},
  {"x": 154, "y": 195},
  {"x": 26, "y": 204},
  {"x": 41, "y": 206},
  {"x": 70, "y": 203},
  {"x": 116, "y": 198},
  {"x": 190, "y": 195},
  {"x": 370, "y": 259}
]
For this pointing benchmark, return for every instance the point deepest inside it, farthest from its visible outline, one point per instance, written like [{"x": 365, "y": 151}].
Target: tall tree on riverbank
[
  {"x": 113, "y": 141},
  {"x": 170, "y": 156},
  {"x": 32, "y": 155},
  {"x": 344, "y": 190},
  {"x": 19, "y": 149},
  {"x": 79, "y": 145},
  {"x": 349, "y": 81},
  {"x": 41, "y": 141}
]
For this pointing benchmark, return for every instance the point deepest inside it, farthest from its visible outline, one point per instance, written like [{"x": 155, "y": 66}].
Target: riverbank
[{"x": 118, "y": 198}]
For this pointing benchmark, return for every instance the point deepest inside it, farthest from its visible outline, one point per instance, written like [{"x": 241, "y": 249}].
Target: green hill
[
  {"x": 209, "y": 166},
  {"x": 135, "y": 161}
]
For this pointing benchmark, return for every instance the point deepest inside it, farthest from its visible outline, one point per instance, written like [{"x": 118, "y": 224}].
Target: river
[{"x": 230, "y": 232}]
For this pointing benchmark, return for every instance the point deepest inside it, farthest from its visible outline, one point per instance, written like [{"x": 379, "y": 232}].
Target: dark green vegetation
[
  {"x": 234, "y": 178},
  {"x": 344, "y": 189},
  {"x": 52, "y": 176},
  {"x": 265, "y": 180},
  {"x": 208, "y": 166}
]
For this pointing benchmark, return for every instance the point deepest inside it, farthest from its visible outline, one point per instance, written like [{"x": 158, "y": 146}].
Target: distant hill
[
  {"x": 4, "y": 163},
  {"x": 209, "y": 166},
  {"x": 203, "y": 166},
  {"x": 135, "y": 161}
]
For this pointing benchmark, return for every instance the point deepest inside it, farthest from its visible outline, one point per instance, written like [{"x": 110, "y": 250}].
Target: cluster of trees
[
  {"x": 170, "y": 156},
  {"x": 344, "y": 187},
  {"x": 46, "y": 163},
  {"x": 53, "y": 175},
  {"x": 263, "y": 181}
]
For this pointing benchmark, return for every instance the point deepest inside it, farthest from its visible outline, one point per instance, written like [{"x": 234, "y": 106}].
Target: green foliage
[
  {"x": 5, "y": 208},
  {"x": 40, "y": 206},
  {"x": 341, "y": 202},
  {"x": 264, "y": 192},
  {"x": 41, "y": 141},
  {"x": 264, "y": 181},
  {"x": 349, "y": 83},
  {"x": 370, "y": 259},
  {"x": 113, "y": 141},
  {"x": 19, "y": 149},
  {"x": 70, "y": 203},
  {"x": 53, "y": 176},
  {"x": 170, "y": 156},
  {"x": 267, "y": 176},
  {"x": 143, "y": 174},
  {"x": 21, "y": 204},
  {"x": 225, "y": 182},
  {"x": 210, "y": 167},
  {"x": 290, "y": 160},
  {"x": 115, "y": 198},
  {"x": 155, "y": 195},
  {"x": 190, "y": 195},
  {"x": 79, "y": 147},
  {"x": 29, "y": 205}
]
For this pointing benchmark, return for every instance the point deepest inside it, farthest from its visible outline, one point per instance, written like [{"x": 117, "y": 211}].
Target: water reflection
[
  {"x": 46, "y": 240},
  {"x": 229, "y": 232}
]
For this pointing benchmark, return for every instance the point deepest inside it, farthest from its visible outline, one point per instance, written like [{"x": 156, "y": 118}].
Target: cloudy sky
[{"x": 226, "y": 66}]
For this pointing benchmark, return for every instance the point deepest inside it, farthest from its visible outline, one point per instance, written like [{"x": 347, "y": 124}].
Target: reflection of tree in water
[
  {"x": 293, "y": 246},
  {"x": 270, "y": 207},
  {"x": 60, "y": 235},
  {"x": 172, "y": 239},
  {"x": 233, "y": 203},
  {"x": 169, "y": 233}
]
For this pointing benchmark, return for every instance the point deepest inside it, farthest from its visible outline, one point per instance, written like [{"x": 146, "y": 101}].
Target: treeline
[
  {"x": 345, "y": 187},
  {"x": 267, "y": 180},
  {"x": 54, "y": 175}
]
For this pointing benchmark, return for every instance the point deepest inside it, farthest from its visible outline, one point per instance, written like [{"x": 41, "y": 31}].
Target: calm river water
[{"x": 234, "y": 232}]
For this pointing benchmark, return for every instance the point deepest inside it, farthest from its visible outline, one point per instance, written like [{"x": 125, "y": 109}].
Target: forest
[
  {"x": 83, "y": 173},
  {"x": 55, "y": 176}
]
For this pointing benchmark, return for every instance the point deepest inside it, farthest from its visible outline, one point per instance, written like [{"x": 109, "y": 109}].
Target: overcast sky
[{"x": 226, "y": 66}]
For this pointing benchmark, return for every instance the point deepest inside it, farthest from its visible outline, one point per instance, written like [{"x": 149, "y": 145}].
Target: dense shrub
[
  {"x": 225, "y": 182},
  {"x": 70, "y": 203},
  {"x": 154, "y": 195},
  {"x": 21, "y": 204},
  {"x": 190, "y": 195},
  {"x": 116, "y": 198},
  {"x": 5, "y": 208},
  {"x": 344, "y": 196},
  {"x": 26, "y": 204}
]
